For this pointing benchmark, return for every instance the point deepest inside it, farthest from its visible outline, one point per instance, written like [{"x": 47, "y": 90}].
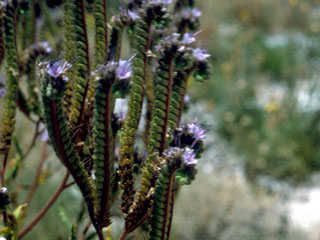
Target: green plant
[{"x": 77, "y": 107}]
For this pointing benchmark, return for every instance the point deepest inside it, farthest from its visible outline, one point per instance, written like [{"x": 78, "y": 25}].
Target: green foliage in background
[{"x": 265, "y": 87}]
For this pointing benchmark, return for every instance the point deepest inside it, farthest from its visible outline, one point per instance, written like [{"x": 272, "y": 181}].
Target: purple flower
[
  {"x": 172, "y": 37},
  {"x": 56, "y": 68},
  {"x": 133, "y": 15},
  {"x": 196, "y": 13},
  {"x": 124, "y": 70},
  {"x": 46, "y": 46},
  {"x": 41, "y": 48},
  {"x": 105, "y": 67},
  {"x": 187, "y": 98},
  {"x": 188, "y": 38},
  {"x": 190, "y": 13},
  {"x": 200, "y": 54},
  {"x": 189, "y": 157},
  {"x": 198, "y": 132}
]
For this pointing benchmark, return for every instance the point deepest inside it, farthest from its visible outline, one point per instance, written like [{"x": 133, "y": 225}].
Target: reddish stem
[
  {"x": 45, "y": 209},
  {"x": 172, "y": 199},
  {"x": 166, "y": 204},
  {"x": 38, "y": 174},
  {"x": 4, "y": 166},
  {"x": 167, "y": 103},
  {"x": 85, "y": 231},
  {"x": 123, "y": 236}
]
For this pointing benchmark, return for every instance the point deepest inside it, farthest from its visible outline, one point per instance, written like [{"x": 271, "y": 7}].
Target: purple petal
[
  {"x": 198, "y": 132},
  {"x": 124, "y": 70},
  {"x": 190, "y": 13},
  {"x": 187, "y": 98},
  {"x": 133, "y": 15},
  {"x": 196, "y": 13},
  {"x": 56, "y": 68},
  {"x": 200, "y": 54},
  {"x": 189, "y": 157},
  {"x": 188, "y": 38},
  {"x": 46, "y": 45}
]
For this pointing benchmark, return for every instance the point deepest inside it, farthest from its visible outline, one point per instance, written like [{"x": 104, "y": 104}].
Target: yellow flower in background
[
  {"x": 109, "y": 235},
  {"x": 293, "y": 3},
  {"x": 244, "y": 14},
  {"x": 272, "y": 107},
  {"x": 304, "y": 6}
]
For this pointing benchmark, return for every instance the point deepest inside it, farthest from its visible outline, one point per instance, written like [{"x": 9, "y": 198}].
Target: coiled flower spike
[
  {"x": 11, "y": 88},
  {"x": 103, "y": 142},
  {"x": 151, "y": 13},
  {"x": 54, "y": 80}
]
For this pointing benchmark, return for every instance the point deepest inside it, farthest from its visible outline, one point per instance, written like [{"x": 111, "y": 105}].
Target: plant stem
[
  {"x": 3, "y": 171},
  {"x": 38, "y": 174},
  {"x": 167, "y": 103},
  {"x": 45, "y": 209},
  {"x": 33, "y": 141},
  {"x": 172, "y": 200},
  {"x": 123, "y": 235},
  {"x": 85, "y": 231}
]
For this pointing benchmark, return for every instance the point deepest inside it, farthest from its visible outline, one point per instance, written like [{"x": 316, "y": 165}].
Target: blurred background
[{"x": 259, "y": 177}]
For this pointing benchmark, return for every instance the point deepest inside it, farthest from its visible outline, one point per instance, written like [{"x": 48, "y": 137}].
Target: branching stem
[{"x": 45, "y": 209}]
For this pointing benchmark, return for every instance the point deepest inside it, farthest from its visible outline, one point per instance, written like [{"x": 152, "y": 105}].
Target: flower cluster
[
  {"x": 200, "y": 54},
  {"x": 189, "y": 157},
  {"x": 120, "y": 70},
  {"x": 187, "y": 17},
  {"x": 58, "y": 68},
  {"x": 190, "y": 136},
  {"x": 190, "y": 13},
  {"x": 41, "y": 48},
  {"x": 124, "y": 70},
  {"x": 133, "y": 14}
]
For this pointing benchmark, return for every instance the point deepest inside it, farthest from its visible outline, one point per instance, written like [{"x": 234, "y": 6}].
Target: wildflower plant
[{"x": 73, "y": 92}]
